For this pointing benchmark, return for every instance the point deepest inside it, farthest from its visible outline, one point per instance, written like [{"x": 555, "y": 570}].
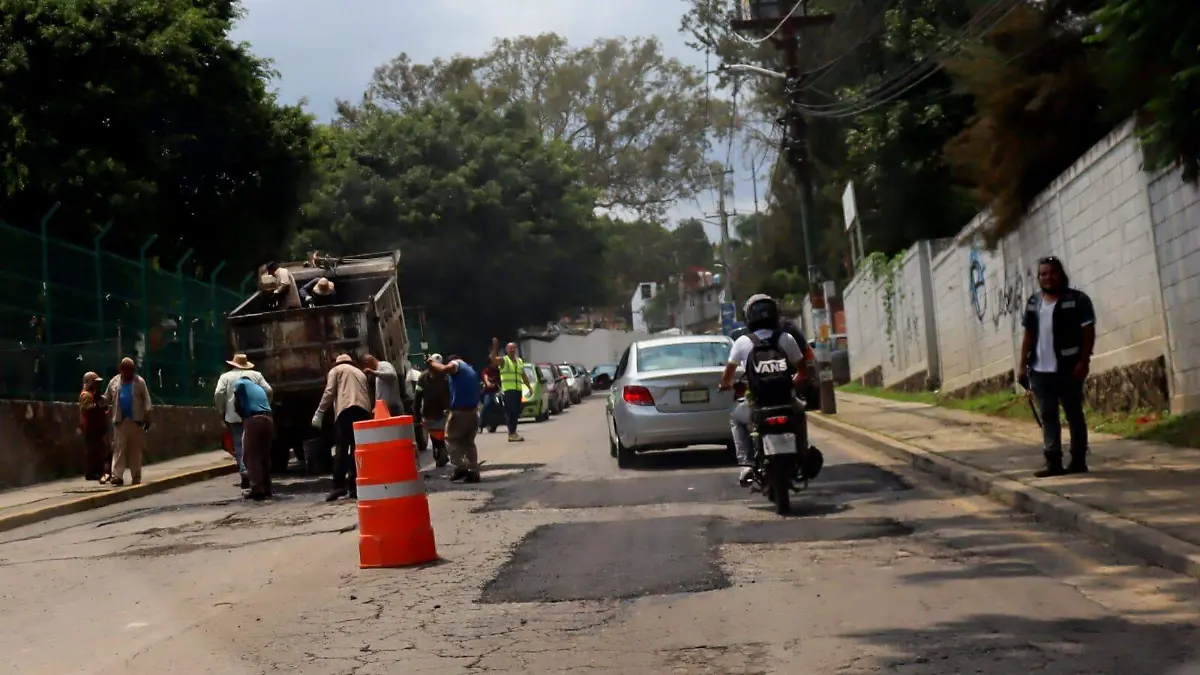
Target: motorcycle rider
[{"x": 763, "y": 321}]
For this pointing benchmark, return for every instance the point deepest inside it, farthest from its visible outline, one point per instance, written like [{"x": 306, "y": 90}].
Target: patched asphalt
[
  {"x": 655, "y": 556},
  {"x": 836, "y": 480}
]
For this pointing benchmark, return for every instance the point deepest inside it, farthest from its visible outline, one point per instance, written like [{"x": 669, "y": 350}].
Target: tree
[
  {"x": 691, "y": 245},
  {"x": 494, "y": 224},
  {"x": 637, "y": 118},
  {"x": 146, "y": 114},
  {"x": 1152, "y": 56},
  {"x": 1033, "y": 73}
]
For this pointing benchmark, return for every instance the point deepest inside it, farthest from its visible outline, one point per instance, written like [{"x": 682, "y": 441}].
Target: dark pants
[
  {"x": 461, "y": 429},
  {"x": 1051, "y": 391},
  {"x": 97, "y": 456},
  {"x": 258, "y": 433},
  {"x": 512, "y": 407},
  {"x": 345, "y": 474},
  {"x": 491, "y": 399}
]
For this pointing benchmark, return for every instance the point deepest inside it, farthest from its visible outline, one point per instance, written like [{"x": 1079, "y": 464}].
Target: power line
[
  {"x": 782, "y": 23},
  {"x": 899, "y": 85}
]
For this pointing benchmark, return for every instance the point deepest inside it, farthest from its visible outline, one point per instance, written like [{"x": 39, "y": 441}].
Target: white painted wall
[
  {"x": 598, "y": 346},
  {"x": 1175, "y": 211},
  {"x": 1098, "y": 218}
]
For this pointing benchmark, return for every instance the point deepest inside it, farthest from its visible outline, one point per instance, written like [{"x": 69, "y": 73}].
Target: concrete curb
[
  {"x": 115, "y": 496},
  {"x": 1123, "y": 535}
]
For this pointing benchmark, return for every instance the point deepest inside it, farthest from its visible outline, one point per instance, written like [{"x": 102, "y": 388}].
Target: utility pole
[
  {"x": 764, "y": 17},
  {"x": 723, "y": 215}
]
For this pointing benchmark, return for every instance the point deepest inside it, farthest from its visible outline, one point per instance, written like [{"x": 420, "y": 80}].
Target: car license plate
[
  {"x": 693, "y": 396},
  {"x": 779, "y": 444}
]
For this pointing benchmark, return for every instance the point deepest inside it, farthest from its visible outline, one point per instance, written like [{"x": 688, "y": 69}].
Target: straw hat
[
  {"x": 90, "y": 377},
  {"x": 343, "y": 358},
  {"x": 241, "y": 362},
  {"x": 323, "y": 287},
  {"x": 436, "y": 358}
]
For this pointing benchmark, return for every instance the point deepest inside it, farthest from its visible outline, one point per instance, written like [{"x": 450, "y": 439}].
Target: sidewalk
[
  {"x": 1152, "y": 490},
  {"x": 35, "y": 503}
]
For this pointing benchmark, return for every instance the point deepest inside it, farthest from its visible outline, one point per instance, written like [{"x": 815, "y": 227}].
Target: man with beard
[{"x": 1056, "y": 354}]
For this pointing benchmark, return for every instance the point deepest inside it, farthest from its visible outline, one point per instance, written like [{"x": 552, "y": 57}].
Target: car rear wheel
[{"x": 625, "y": 456}]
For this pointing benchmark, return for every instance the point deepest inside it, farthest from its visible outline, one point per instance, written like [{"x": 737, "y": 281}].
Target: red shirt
[{"x": 492, "y": 373}]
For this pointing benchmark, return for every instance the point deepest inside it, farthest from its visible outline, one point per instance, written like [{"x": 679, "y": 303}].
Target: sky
[{"x": 328, "y": 49}]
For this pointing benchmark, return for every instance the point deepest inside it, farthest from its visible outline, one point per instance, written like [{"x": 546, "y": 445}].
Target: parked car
[
  {"x": 575, "y": 390},
  {"x": 536, "y": 401},
  {"x": 664, "y": 396},
  {"x": 556, "y": 383},
  {"x": 582, "y": 375},
  {"x": 602, "y": 375}
]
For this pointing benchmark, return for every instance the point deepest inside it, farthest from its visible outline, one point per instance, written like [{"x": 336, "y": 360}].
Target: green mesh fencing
[{"x": 69, "y": 309}]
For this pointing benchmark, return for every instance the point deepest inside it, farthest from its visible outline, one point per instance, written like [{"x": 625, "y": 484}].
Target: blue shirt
[
  {"x": 464, "y": 387},
  {"x": 250, "y": 398},
  {"x": 125, "y": 400}
]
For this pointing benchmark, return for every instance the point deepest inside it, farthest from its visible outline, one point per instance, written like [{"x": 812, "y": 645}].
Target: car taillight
[
  {"x": 739, "y": 390},
  {"x": 637, "y": 396},
  {"x": 777, "y": 420}
]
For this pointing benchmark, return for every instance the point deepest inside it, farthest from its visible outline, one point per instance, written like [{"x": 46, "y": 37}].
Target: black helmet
[{"x": 761, "y": 311}]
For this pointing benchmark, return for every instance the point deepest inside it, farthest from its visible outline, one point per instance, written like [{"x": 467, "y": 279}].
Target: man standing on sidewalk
[
  {"x": 130, "y": 401},
  {"x": 239, "y": 368},
  {"x": 462, "y": 425},
  {"x": 93, "y": 424},
  {"x": 346, "y": 393},
  {"x": 1056, "y": 353},
  {"x": 512, "y": 376}
]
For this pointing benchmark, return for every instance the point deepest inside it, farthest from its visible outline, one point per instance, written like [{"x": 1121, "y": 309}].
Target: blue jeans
[
  {"x": 239, "y": 450},
  {"x": 490, "y": 400},
  {"x": 1051, "y": 391}
]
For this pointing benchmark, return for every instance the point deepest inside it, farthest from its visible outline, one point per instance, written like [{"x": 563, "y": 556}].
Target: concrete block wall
[
  {"x": 41, "y": 440},
  {"x": 897, "y": 350},
  {"x": 1175, "y": 212},
  {"x": 1114, "y": 228}
]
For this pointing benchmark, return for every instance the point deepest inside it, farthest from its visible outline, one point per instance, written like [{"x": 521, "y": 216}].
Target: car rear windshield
[
  {"x": 683, "y": 355},
  {"x": 566, "y": 370},
  {"x": 604, "y": 370}
]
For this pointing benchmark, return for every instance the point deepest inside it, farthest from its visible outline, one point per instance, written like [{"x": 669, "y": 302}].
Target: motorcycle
[{"x": 780, "y": 469}]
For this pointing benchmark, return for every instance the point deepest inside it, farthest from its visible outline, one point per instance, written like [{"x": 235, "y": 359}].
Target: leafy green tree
[
  {"x": 691, "y": 245},
  {"x": 494, "y": 223},
  {"x": 146, "y": 114},
  {"x": 637, "y": 118},
  {"x": 1153, "y": 56},
  {"x": 1039, "y": 103}
]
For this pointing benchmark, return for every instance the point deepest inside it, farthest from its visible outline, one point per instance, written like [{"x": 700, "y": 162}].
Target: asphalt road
[{"x": 559, "y": 562}]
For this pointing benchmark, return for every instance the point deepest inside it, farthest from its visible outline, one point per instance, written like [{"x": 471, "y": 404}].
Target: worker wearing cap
[{"x": 93, "y": 424}]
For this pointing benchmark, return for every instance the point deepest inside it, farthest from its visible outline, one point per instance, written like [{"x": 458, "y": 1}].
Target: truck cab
[{"x": 295, "y": 348}]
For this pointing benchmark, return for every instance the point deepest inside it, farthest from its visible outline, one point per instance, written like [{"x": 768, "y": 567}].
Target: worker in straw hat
[
  {"x": 93, "y": 424},
  {"x": 318, "y": 292},
  {"x": 346, "y": 393},
  {"x": 223, "y": 400}
]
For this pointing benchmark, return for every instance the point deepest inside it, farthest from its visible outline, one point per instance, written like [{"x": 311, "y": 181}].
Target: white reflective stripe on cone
[
  {"x": 406, "y": 488},
  {"x": 391, "y": 432}
]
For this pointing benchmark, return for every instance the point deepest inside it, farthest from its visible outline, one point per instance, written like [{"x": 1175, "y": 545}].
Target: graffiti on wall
[{"x": 1005, "y": 300}]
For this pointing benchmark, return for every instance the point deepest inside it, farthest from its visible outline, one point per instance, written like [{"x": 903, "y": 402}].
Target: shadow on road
[
  {"x": 996, "y": 644},
  {"x": 691, "y": 458}
]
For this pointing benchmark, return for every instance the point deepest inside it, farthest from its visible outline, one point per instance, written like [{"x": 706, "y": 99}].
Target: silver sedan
[{"x": 664, "y": 396}]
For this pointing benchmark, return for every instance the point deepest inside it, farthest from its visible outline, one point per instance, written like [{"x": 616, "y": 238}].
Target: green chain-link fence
[{"x": 67, "y": 309}]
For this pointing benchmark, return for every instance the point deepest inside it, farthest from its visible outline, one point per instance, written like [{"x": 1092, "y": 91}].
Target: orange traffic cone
[{"x": 381, "y": 411}]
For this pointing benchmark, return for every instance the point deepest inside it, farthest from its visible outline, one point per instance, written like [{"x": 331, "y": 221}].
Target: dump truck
[{"x": 295, "y": 348}]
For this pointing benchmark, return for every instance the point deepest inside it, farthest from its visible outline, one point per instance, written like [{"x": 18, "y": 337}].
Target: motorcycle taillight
[{"x": 782, "y": 419}]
